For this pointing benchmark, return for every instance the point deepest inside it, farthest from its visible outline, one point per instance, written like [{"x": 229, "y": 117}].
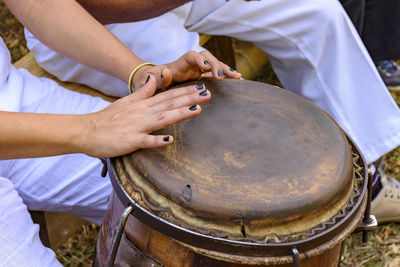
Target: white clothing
[
  {"x": 312, "y": 45},
  {"x": 69, "y": 183},
  {"x": 19, "y": 238}
]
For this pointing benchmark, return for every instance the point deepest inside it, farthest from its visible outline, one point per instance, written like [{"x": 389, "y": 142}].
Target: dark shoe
[{"x": 390, "y": 73}]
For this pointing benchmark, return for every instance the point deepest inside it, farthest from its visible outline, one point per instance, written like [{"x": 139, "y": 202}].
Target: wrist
[{"x": 81, "y": 138}]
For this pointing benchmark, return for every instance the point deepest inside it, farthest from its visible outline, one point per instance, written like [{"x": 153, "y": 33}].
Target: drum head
[{"x": 258, "y": 160}]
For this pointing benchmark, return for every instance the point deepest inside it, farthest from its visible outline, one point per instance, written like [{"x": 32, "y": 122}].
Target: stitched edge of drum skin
[
  {"x": 305, "y": 255},
  {"x": 146, "y": 196},
  {"x": 256, "y": 231},
  {"x": 166, "y": 208}
]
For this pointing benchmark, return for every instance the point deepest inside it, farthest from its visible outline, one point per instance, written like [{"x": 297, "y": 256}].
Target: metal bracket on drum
[
  {"x": 296, "y": 257},
  {"x": 105, "y": 168},
  {"x": 144, "y": 259},
  {"x": 117, "y": 239},
  {"x": 369, "y": 222},
  {"x": 367, "y": 225}
]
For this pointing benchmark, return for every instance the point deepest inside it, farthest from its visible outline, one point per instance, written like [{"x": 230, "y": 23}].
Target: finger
[
  {"x": 162, "y": 119},
  {"x": 146, "y": 91},
  {"x": 156, "y": 72},
  {"x": 207, "y": 75},
  {"x": 230, "y": 73},
  {"x": 142, "y": 74},
  {"x": 216, "y": 65},
  {"x": 206, "y": 65},
  {"x": 198, "y": 59},
  {"x": 199, "y": 97},
  {"x": 166, "y": 78},
  {"x": 203, "y": 63},
  {"x": 174, "y": 93},
  {"x": 153, "y": 141}
]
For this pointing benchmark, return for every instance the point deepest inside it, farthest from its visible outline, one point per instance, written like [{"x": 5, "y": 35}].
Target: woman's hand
[
  {"x": 190, "y": 66},
  {"x": 125, "y": 125}
]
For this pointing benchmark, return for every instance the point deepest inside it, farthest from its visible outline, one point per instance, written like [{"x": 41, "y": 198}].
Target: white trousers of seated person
[
  {"x": 312, "y": 45},
  {"x": 69, "y": 183}
]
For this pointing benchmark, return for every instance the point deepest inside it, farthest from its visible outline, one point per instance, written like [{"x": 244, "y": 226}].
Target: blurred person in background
[{"x": 378, "y": 23}]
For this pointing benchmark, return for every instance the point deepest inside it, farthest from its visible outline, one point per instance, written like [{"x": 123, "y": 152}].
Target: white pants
[
  {"x": 69, "y": 184},
  {"x": 312, "y": 45}
]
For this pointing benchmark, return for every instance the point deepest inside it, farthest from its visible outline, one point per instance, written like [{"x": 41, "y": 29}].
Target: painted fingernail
[
  {"x": 166, "y": 139},
  {"x": 220, "y": 73},
  {"x": 193, "y": 108},
  {"x": 199, "y": 86},
  {"x": 204, "y": 93},
  {"x": 232, "y": 70},
  {"x": 206, "y": 63},
  {"x": 148, "y": 79}
]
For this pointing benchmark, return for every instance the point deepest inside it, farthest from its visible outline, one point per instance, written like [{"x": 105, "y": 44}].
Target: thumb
[
  {"x": 147, "y": 90},
  {"x": 166, "y": 79}
]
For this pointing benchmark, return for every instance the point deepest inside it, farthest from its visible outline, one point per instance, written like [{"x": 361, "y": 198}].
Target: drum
[{"x": 260, "y": 177}]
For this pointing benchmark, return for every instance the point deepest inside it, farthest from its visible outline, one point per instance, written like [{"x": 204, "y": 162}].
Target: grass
[
  {"x": 79, "y": 249},
  {"x": 383, "y": 248},
  {"x": 12, "y": 33}
]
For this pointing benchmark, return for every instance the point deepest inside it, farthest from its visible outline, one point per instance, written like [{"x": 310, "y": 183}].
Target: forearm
[
  {"x": 64, "y": 26},
  {"x": 120, "y": 11},
  {"x": 26, "y": 135},
  {"x": 121, "y": 128}
]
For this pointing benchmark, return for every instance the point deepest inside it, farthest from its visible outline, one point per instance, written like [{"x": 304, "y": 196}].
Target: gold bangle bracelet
[{"x": 134, "y": 72}]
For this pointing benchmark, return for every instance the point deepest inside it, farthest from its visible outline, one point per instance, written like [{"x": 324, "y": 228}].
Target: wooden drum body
[{"x": 261, "y": 177}]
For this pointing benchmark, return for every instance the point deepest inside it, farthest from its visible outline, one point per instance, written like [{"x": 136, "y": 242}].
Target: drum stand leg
[
  {"x": 117, "y": 239},
  {"x": 368, "y": 222}
]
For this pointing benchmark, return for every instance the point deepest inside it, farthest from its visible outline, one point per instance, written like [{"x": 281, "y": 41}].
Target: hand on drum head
[
  {"x": 190, "y": 66},
  {"x": 125, "y": 125}
]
